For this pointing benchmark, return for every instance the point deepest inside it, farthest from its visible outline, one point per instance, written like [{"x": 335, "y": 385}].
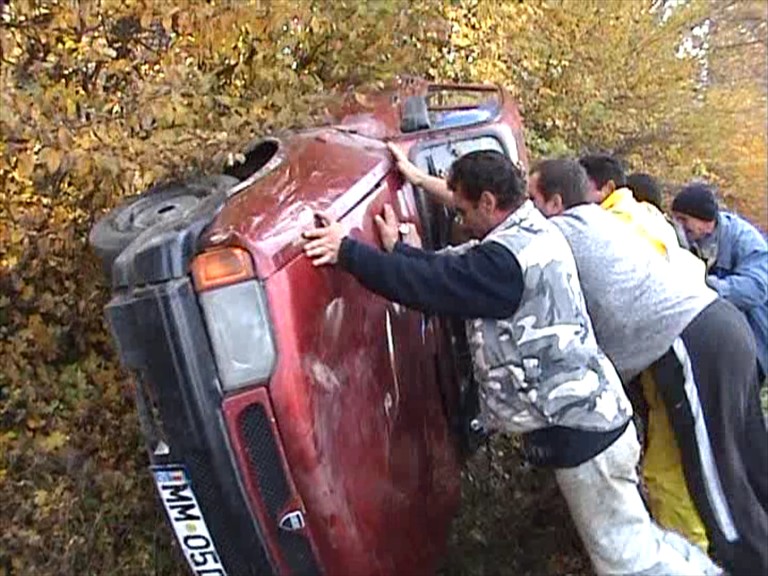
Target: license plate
[{"x": 182, "y": 509}]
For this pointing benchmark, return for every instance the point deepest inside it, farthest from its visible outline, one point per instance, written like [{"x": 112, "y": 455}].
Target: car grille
[
  {"x": 256, "y": 563},
  {"x": 266, "y": 468}
]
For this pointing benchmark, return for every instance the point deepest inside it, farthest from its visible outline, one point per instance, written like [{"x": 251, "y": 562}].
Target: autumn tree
[
  {"x": 101, "y": 98},
  {"x": 735, "y": 87}
]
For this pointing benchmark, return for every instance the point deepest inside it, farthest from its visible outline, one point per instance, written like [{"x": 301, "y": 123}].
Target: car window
[{"x": 437, "y": 159}]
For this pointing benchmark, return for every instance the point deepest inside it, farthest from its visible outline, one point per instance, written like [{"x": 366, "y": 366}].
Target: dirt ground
[{"x": 513, "y": 521}]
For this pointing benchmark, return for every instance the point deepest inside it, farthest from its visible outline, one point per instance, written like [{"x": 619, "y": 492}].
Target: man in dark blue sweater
[{"x": 536, "y": 361}]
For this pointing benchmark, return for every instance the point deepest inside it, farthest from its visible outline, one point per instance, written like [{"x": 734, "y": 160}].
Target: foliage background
[{"x": 100, "y": 98}]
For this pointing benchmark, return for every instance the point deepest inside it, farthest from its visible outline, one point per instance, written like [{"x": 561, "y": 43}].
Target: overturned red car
[{"x": 295, "y": 422}]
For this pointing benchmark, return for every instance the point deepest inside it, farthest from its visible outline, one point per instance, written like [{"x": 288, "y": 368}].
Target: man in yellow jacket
[
  {"x": 670, "y": 502},
  {"x": 645, "y": 188}
]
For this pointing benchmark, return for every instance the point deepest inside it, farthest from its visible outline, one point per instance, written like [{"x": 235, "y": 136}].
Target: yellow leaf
[
  {"x": 71, "y": 107},
  {"x": 65, "y": 139},
  {"x": 52, "y": 159},
  {"x": 54, "y": 441},
  {"x": 34, "y": 423},
  {"x": 41, "y": 497},
  {"x": 25, "y": 164},
  {"x": 168, "y": 19}
]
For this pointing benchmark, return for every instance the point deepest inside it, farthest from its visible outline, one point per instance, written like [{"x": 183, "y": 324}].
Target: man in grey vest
[
  {"x": 648, "y": 314},
  {"x": 538, "y": 366}
]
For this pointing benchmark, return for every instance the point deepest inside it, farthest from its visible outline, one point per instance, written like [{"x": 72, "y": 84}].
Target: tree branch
[
  {"x": 735, "y": 45},
  {"x": 641, "y": 140}
]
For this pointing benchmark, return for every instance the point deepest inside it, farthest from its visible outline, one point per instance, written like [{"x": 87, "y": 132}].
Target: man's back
[
  {"x": 544, "y": 358},
  {"x": 619, "y": 270}
]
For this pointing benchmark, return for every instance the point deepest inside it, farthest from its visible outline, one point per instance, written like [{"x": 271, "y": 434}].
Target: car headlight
[{"x": 236, "y": 316}]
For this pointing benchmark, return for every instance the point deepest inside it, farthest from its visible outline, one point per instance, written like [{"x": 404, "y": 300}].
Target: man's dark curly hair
[
  {"x": 488, "y": 170},
  {"x": 602, "y": 168}
]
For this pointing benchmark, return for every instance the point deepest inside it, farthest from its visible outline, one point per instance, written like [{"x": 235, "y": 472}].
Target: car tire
[{"x": 160, "y": 204}]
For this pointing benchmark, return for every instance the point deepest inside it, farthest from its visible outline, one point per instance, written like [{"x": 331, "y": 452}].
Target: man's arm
[
  {"x": 414, "y": 252},
  {"x": 485, "y": 282},
  {"x": 433, "y": 185},
  {"x": 746, "y": 286}
]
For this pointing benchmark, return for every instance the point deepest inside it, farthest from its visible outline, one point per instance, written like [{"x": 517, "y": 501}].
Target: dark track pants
[{"x": 710, "y": 387}]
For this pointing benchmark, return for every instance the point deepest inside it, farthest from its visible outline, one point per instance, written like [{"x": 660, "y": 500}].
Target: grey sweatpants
[{"x": 614, "y": 525}]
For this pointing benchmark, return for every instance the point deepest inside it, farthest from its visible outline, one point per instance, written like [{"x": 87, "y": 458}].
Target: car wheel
[{"x": 161, "y": 204}]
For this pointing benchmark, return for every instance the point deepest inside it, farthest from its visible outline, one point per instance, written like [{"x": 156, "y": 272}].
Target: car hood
[{"x": 328, "y": 169}]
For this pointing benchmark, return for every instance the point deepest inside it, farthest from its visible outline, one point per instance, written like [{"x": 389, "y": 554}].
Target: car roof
[{"x": 384, "y": 112}]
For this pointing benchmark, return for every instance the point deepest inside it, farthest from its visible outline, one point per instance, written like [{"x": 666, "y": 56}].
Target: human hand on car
[
  {"x": 406, "y": 167},
  {"x": 391, "y": 230},
  {"x": 388, "y": 228},
  {"x": 324, "y": 243}
]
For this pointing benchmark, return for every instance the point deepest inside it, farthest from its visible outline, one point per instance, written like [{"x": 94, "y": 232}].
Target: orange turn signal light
[{"x": 221, "y": 267}]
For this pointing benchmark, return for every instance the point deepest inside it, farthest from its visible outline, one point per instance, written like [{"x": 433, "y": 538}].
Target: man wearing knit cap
[{"x": 736, "y": 255}]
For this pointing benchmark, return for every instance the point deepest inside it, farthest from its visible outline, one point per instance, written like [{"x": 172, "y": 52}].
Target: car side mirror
[{"x": 415, "y": 115}]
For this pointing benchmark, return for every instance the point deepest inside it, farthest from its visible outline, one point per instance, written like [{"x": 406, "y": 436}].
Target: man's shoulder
[
  {"x": 585, "y": 217},
  {"x": 535, "y": 228},
  {"x": 732, "y": 221},
  {"x": 457, "y": 249},
  {"x": 738, "y": 230}
]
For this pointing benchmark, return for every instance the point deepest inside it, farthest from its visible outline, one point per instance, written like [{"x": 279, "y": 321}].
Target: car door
[
  {"x": 363, "y": 424},
  {"x": 422, "y": 469}
]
